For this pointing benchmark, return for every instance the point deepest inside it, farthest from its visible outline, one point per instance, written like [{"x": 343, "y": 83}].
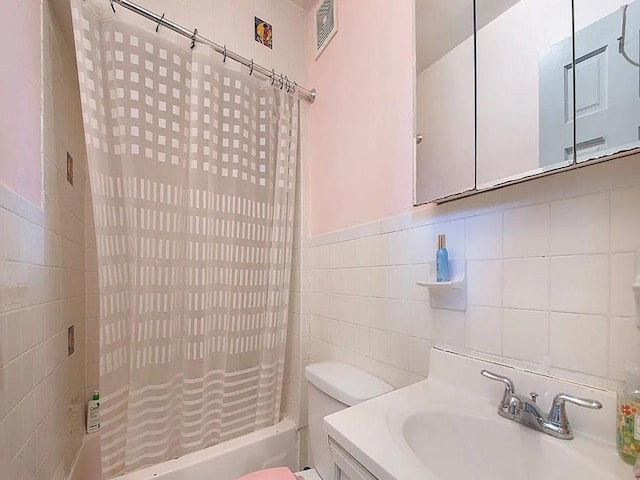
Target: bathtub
[{"x": 272, "y": 447}]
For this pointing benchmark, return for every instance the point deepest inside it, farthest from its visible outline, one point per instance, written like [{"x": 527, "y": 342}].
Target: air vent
[{"x": 326, "y": 24}]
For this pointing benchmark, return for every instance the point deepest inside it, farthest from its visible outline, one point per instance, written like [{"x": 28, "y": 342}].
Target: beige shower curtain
[{"x": 192, "y": 167}]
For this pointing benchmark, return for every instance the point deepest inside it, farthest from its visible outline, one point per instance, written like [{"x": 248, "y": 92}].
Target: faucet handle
[
  {"x": 509, "y": 387},
  {"x": 558, "y": 414},
  {"x": 504, "y": 408},
  {"x": 562, "y": 398}
]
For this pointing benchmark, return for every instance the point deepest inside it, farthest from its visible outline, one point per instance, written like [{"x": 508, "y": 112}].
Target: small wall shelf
[
  {"x": 451, "y": 295},
  {"x": 459, "y": 283}
]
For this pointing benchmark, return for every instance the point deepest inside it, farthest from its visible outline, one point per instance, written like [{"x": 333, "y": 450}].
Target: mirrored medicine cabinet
[{"x": 508, "y": 90}]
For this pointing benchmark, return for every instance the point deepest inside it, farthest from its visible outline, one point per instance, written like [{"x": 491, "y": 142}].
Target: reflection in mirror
[
  {"x": 524, "y": 93},
  {"x": 607, "y": 77},
  {"x": 445, "y": 104}
]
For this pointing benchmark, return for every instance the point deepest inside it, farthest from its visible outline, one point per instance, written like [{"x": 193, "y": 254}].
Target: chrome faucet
[{"x": 524, "y": 410}]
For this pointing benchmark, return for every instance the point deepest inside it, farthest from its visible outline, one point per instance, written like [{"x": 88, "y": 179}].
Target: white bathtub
[{"x": 272, "y": 447}]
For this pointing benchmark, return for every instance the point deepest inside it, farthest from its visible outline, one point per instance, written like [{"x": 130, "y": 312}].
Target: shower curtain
[{"x": 192, "y": 167}]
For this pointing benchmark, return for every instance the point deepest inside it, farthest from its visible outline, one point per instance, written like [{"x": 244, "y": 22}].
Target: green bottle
[
  {"x": 628, "y": 417},
  {"x": 93, "y": 413}
]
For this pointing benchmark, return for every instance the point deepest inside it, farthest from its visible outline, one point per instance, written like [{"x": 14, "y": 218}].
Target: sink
[
  {"x": 454, "y": 447},
  {"x": 447, "y": 428}
]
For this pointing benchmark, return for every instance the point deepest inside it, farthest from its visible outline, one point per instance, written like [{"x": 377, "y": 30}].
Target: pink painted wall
[
  {"x": 20, "y": 87},
  {"x": 361, "y": 126}
]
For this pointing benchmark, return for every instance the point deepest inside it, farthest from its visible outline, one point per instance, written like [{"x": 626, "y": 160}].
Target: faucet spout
[
  {"x": 533, "y": 416},
  {"x": 525, "y": 411}
]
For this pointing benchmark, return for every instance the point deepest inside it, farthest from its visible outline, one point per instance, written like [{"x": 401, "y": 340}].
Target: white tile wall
[
  {"x": 579, "y": 342},
  {"x": 525, "y": 335},
  {"x": 550, "y": 265},
  {"x": 483, "y": 329},
  {"x": 485, "y": 282},
  {"x": 622, "y": 339},
  {"x": 623, "y": 273},
  {"x": 526, "y": 231},
  {"x": 42, "y": 289},
  {"x": 483, "y": 236},
  {"x": 580, "y": 225},
  {"x": 625, "y": 228},
  {"x": 526, "y": 283},
  {"x": 580, "y": 284}
]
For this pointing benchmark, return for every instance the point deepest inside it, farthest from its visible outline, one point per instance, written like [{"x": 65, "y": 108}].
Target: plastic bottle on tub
[{"x": 93, "y": 413}]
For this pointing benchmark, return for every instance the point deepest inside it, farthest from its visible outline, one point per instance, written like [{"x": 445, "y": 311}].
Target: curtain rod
[{"x": 309, "y": 95}]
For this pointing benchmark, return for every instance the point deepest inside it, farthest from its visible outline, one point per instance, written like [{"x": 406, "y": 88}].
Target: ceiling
[
  {"x": 443, "y": 25},
  {"x": 306, "y": 4}
]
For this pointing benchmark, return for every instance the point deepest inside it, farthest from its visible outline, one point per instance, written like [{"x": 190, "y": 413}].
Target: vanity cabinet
[
  {"x": 445, "y": 104},
  {"x": 347, "y": 467},
  {"x": 508, "y": 90}
]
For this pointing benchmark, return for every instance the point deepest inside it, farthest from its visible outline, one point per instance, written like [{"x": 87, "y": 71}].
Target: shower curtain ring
[
  {"x": 281, "y": 81},
  {"x": 251, "y": 68},
  {"x": 193, "y": 38},
  {"x": 293, "y": 87},
  {"x": 159, "y": 22},
  {"x": 112, "y": 7},
  {"x": 273, "y": 76},
  {"x": 224, "y": 54}
]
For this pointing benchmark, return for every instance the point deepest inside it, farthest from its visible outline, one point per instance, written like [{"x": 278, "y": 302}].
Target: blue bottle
[{"x": 442, "y": 260}]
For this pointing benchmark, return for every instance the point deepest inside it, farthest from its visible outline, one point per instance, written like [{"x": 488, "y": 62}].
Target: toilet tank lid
[{"x": 345, "y": 383}]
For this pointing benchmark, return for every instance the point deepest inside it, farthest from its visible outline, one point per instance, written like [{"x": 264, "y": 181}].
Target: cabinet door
[
  {"x": 347, "y": 467},
  {"x": 352, "y": 471},
  {"x": 607, "y": 71},
  {"x": 445, "y": 99},
  {"x": 340, "y": 475},
  {"x": 522, "y": 89}
]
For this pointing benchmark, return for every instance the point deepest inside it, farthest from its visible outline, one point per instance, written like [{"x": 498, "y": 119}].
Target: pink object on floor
[{"x": 270, "y": 474}]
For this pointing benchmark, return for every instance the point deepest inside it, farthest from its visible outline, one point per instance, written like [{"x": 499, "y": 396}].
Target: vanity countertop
[{"x": 447, "y": 428}]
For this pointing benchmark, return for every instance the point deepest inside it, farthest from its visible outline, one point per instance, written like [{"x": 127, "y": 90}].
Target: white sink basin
[
  {"x": 454, "y": 447},
  {"x": 447, "y": 428}
]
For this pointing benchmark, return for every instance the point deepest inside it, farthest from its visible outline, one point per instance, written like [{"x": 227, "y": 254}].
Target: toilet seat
[{"x": 270, "y": 474}]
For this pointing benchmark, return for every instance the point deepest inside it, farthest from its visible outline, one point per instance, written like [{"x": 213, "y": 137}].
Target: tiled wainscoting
[
  {"x": 42, "y": 289},
  {"x": 550, "y": 264}
]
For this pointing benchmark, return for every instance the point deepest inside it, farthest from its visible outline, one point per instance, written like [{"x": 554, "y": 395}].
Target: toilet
[{"x": 333, "y": 386}]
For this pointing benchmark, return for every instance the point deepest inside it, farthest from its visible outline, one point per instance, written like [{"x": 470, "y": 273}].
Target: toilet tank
[{"x": 334, "y": 386}]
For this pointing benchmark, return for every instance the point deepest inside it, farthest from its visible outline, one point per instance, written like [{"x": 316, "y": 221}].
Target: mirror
[
  {"x": 445, "y": 99},
  {"x": 524, "y": 93},
  {"x": 607, "y": 77},
  {"x": 538, "y": 81}
]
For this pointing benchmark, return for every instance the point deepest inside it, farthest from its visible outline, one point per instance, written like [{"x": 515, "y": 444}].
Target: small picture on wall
[
  {"x": 264, "y": 33},
  {"x": 69, "y": 168}
]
